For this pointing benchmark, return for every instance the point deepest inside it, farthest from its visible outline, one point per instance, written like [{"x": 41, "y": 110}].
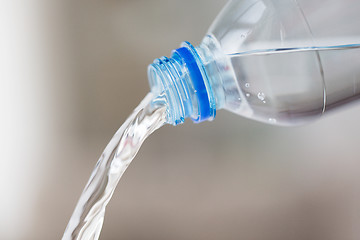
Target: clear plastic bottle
[{"x": 283, "y": 62}]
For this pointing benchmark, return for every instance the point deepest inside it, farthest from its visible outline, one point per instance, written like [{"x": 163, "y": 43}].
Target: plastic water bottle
[{"x": 282, "y": 62}]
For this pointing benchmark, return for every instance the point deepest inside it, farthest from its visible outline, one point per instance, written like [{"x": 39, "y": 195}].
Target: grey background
[{"x": 227, "y": 179}]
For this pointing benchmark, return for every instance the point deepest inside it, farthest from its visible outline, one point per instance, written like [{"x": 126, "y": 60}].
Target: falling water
[{"x": 87, "y": 219}]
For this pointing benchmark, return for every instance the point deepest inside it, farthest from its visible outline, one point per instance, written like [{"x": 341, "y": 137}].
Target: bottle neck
[{"x": 184, "y": 83}]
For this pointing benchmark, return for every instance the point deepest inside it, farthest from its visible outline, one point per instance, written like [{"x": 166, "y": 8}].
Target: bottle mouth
[
  {"x": 164, "y": 81},
  {"x": 183, "y": 80}
]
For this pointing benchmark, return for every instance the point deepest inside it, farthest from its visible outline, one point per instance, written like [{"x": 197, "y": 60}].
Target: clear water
[
  {"x": 88, "y": 216},
  {"x": 289, "y": 86}
]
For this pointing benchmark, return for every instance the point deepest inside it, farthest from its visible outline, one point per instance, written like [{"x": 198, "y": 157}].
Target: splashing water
[{"x": 88, "y": 216}]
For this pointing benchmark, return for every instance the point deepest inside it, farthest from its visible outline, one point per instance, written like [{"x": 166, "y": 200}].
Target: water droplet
[
  {"x": 239, "y": 99},
  {"x": 264, "y": 101},
  {"x": 247, "y": 85},
  {"x": 248, "y": 95},
  {"x": 272, "y": 120},
  {"x": 261, "y": 96}
]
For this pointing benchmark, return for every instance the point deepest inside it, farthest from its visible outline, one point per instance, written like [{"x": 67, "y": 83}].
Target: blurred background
[{"x": 72, "y": 71}]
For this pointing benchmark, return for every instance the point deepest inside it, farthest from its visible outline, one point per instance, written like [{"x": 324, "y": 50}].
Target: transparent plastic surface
[{"x": 284, "y": 61}]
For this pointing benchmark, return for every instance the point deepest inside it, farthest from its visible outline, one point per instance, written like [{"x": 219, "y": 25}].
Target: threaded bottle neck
[{"x": 183, "y": 82}]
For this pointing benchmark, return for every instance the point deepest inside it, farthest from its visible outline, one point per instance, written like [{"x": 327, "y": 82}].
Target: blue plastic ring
[{"x": 198, "y": 83}]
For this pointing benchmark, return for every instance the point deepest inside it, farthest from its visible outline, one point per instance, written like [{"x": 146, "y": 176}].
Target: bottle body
[{"x": 280, "y": 61}]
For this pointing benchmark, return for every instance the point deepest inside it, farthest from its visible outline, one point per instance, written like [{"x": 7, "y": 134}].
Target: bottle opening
[{"x": 183, "y": 81}]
